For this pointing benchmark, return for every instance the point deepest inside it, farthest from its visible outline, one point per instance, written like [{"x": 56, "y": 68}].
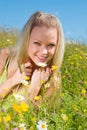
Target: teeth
[
  {"x": 43, "y": 57},
  {"x": 42, "y": 64}
]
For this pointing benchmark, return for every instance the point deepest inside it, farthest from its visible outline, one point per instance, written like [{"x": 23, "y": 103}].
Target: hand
[
  {"x": 41, "y": 75},
  {"x": 26, "y": 70}
]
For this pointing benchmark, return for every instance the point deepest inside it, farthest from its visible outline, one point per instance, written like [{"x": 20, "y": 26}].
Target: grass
[{"x": 69, "y": 112}]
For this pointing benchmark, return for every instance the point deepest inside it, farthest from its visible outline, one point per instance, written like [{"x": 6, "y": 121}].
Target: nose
[{"x": 44, "y": 50}]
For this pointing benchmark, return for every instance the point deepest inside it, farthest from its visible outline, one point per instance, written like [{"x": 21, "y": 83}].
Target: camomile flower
[
  {"x": 42, "y": 125},
  {"x": 18, "y": 97},
  {"x": 41, "y": 64},
  {"x": 22, "y": 126},
  {"x": 24, "y": 82}
]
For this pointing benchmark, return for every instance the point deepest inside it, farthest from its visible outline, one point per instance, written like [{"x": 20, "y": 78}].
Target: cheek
[
  {"x": 31, "y": 50},
  {"x": 52, "y": 52}
]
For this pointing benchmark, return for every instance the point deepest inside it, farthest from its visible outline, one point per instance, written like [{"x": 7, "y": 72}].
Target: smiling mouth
[{"x": 42, "y": 59}]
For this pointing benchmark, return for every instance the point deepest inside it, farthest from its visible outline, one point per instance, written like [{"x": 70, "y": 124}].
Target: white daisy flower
[
  {"x": 42, "y": 125},
  {"x": 8, "y": 40},
  {"x": 24, "y": 82},
  {"x": 18, "y": 97},
  {"x": 22, "y": 126},
  {"x": 41, "y": 64}
]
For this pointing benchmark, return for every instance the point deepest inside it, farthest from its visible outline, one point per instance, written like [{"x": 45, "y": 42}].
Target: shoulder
[{"x": 4, "y": 53}]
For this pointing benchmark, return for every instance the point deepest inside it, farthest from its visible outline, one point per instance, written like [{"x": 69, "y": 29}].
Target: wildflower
[
  {"x": 3, "y": 95},
  {"x": 17, "y": 108},
  {"x": 24, "y": 107},
  {"x": 83, "y": 91},
  {"x": 37, "y": 98},
  {"x": 47, "y": 85},
  {"x": 42, "y": 82},
  {"x": 22, "y": 127},
  {"x": 54, "y": 67},
  {"x": 41, "y": 125},
  {"x": 41, "y": 64},
  {"x": 18, "y": 97},
  {"x": 26, "y": 77},
  {"x": 64, "y": 117},
  {"x": 24, "y": 82},
  {"x": 7, "y": 118}
]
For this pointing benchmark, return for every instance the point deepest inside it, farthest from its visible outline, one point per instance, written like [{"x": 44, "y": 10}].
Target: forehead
[{"x": 44, "y": 32}]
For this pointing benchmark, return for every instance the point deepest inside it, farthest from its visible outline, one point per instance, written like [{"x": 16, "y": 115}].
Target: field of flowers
[{"x": 69, "y": 112}]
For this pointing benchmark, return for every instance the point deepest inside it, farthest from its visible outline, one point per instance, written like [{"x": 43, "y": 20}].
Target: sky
[{"x": 71, "y": 13}]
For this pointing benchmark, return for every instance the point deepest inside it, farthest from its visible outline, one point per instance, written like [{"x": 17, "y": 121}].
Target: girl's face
[{"x": 42, "y": 44}]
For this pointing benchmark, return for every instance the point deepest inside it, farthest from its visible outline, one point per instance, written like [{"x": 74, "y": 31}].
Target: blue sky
[{"x": 72, "y": 14}]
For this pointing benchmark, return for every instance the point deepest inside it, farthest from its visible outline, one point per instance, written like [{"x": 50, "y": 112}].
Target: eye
[
  {"x": 50, "y": 46},
  {"x": 37, "y": 43}
]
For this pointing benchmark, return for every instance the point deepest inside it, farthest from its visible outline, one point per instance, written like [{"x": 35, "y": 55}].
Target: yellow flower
[
  {"x": 42, "y": 82},
  {"x": 3, "y": 95},
  {"x": 17, "y": 108},
  {"x": 64, "y": 117},
  {"x": 0, "y": 119},
  {"x": 83, "y": 91},
  {"x": 26, "y": 77},
  {"x": 37, "y": 98},
  {"x": 24, "y": 107},
  {"x": 7, "y": 118},
  {"x": 54, "y": 67}
]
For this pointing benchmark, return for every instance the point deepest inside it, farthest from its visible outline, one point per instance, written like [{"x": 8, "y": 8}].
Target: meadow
[{"x": 69, "y": 112}]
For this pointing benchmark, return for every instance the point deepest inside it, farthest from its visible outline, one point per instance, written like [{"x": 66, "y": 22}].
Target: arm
[
  {"x": 6, "y": 87},
  {"x": 14, "y": 80},
  {"x": 37, "y": 78},
  {"x": 4, "y": 53}
]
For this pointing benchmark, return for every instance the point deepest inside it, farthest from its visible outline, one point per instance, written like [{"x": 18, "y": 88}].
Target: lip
[{"x": 43, "y": 59}]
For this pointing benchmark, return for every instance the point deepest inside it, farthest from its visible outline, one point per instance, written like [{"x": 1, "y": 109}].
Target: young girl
[{"x": 34, "y": 66}]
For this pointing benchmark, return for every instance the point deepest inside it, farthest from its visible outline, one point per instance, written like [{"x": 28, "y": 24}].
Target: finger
[
  {"x": 28, "y": 64},
  {"x": 28, "y": 70}
]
